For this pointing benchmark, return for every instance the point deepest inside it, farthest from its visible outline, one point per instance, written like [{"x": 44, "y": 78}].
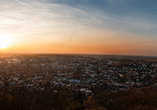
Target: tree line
[{"x": 57, "y": 98}]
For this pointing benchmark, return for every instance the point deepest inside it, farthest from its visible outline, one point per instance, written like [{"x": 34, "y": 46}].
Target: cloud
[
  {"x": 23, "y": 3},
  {"x": 56, "y": 16}
]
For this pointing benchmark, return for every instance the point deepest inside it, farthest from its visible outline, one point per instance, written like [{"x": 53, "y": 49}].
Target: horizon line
[{"x": 38, "y": 53}]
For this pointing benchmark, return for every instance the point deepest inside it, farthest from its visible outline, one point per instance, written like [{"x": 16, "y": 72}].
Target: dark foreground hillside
[{"x": 21, "y": 98}]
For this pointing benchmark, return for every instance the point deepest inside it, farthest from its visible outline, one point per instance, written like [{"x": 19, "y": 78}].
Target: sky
[{"x": 117, "y": 27}]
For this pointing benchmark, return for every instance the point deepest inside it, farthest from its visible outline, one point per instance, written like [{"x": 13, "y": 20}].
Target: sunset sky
[{"x": 121, "y": 27}]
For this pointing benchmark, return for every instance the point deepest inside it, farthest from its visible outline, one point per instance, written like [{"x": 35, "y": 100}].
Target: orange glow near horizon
[
  {"x": 104, "y": 44},
  {"x": 115, "y": 49}
]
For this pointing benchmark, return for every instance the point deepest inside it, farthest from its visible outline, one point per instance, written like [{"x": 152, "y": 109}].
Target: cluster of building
[{"x": 88, "y": 74}]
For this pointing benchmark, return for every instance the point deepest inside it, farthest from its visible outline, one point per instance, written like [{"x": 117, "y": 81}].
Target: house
[{"x": 74, "y": 80}]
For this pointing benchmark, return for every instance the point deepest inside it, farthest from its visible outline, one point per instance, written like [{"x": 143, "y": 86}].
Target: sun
[{"x": 5, "y": 41}]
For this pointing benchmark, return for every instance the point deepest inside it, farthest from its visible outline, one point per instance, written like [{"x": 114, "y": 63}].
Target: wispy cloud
[
  {"x": 61, "y": 20},
  {"x": 23, "y": 3}
]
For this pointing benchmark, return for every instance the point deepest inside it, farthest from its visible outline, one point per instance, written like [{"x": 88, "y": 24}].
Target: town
[{"x": 88, "y": 74}]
